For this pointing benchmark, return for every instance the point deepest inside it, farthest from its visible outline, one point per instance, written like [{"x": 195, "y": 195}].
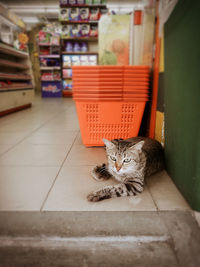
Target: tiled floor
[{"x": 44, "y": 166}]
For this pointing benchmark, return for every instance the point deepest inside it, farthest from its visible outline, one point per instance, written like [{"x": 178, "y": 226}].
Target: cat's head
[{"x": 122, "y": 157}]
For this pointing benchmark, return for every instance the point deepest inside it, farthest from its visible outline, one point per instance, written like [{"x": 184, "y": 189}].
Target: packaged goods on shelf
[
  {"x": 93, "y": 30},
  {"x": 67, "y": 84},
  {"x": 49, "y": 62},
  {"x": 67, "y": 73},
  {"x": 85, "y": 30},
  {"x": 84, "y": 14},
  {"x": 65, "y": 31},
  {"x": 94, "y": 14},
  {"x": 80, "y": 2},
  {"x": 75, "y": 60},
  {"x": 103, "y": 11},
  {"x": 64, "y": 14},
  {"x": 44, "y": 37},
  {"x": 72, "y": 2},
  {"x": 74, "y": 14},
  {"x": 51, "y": 89},
  {"x": 69, "y": 46},
  {"x": 67, "y": 61},
  {"x": 75, "y": 30},
  {"x": 84, "y": 60}
]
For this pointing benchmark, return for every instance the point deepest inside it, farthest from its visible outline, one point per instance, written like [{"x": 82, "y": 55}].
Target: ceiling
[{"x": 33, "y": 12}]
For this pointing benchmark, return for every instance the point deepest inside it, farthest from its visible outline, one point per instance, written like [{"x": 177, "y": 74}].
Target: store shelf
[
  {"x": 89, "y": 6},
  {"x": 40, "y": 44},
  {"x": 50, "y": 68},
  {"x": 67, "y": 93},
  {"x": 9, "y": 76},
  {"x": 14, "y": 88},
  {"x": 69, "y": 67},
  {"x": 88, "y": 39},
  {"x": 13, "y": 64},
  {"x": 79, "y": 22},
  {"x": 80, "y": 53},
  {"x": 11, "y": 51},
  {"x": 67, "y": 77},
  {"x": 50, "y": 56},
  {"x": 51, "y": 80}
]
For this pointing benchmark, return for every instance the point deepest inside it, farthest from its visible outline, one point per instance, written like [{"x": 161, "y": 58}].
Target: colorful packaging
[
  {"x": 69, "y": 47},
  {"x": 67, "y": 73},
  {"x": 55, "y": 40},
  {"x": 96, "y": 2},
  {"x": 84, "y": 30},
  {"x": 74, "y": 14},
  {"x": 92, "y": 60},
  {"x": 84, "y": 14},
  {"x": 56, "y": 75},
  {"x": 72, "y": 2},
  {"x": 84, "y": 61},
  {"x": 44, "y": 37},
  {"x": 66, "y": 31},
  {"x": 76, "y": 47},
  {"x": 84, "y": 47},
  {"x": 75, "y": 30},
  {"x": 51, "y": 89},
  {"x": 94, "y": 14},
  {"x": 75, "y": 60},
  {"x": 93, "y": 30},
  {"x": 67, "y": 84},
  {"x": 88, "y": 2},
  {"x": 64, "y": 14},
  {"x": 46, "y": 76},
  {"x": 64, "y": 2},
  {"x": 80, "y": 2},
  {"x": 67, "y": 61}
]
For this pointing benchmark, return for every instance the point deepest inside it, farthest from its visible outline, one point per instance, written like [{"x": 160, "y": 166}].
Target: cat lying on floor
[{"x": 130, "y": 161}]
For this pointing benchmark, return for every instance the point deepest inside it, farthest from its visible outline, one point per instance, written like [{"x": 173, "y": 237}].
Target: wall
[{"x": 182, "y": 99}]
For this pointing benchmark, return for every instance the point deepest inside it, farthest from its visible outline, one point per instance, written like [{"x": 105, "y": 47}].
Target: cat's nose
[{"x": 118, "y": 168}]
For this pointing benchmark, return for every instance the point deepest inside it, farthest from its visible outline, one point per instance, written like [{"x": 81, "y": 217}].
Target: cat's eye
[
  {"x": 113, "y": 158},
  {"x": 127, "y": 160}
]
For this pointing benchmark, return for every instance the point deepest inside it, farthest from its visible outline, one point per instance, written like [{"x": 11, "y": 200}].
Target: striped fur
[{"x": 129, "y": 162}]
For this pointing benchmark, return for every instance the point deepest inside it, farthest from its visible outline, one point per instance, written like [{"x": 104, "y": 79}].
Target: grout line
[
  {"x": 57, "y": 174},
  {"x": 31, "y": 132},
  {"x": 152, "y": 196}
]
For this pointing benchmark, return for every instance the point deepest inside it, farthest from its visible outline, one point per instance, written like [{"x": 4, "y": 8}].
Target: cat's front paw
[
  {"x": 100, "y": 173},
  {"x": 94, "y": 197}
]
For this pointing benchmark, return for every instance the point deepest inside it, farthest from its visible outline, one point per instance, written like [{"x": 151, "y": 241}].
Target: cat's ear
[
  {"x": 138, "y": 146},
  {"x": 108, "y": 143}
]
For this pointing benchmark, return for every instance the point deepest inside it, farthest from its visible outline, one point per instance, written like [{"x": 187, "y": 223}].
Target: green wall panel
[{"x": 182, "y": 99}]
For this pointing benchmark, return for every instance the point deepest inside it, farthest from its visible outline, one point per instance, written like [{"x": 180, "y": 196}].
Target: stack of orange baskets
[{"x": 110, "y": 101}]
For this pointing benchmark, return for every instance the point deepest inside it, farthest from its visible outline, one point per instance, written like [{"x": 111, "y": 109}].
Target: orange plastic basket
[{"x": 112, "y": 119}]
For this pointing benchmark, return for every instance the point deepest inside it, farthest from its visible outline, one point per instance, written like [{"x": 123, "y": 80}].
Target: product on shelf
[
  {"x": 55, "y": 40},
  {"x": 84, "y": 60},
  {"x": 84, "y": 14},
  {"x": 51, "y": 89},
  {"x": 76, "y": 47},
  {"x": 80, "y": 2},
  {"x": 64, "y": 14},
  {"x": 65, "y": 31},
  {"x": 75, "y": 30},
  {"x": 74, "y": 14},
  {"x": 67, "y": 73},
  {"x": 93, "y": 30},
  {"x": 67, "y": 84},
  {"x": 67, "y": 61},
  {"x": 84, "y": 47},
  {"x": 92, "y": 60},
  {"x": 49, "y": 62},
  {"x": 94, "y": 13},
  {"x": 69, "y": 47},
  {"x": 84, "y": 30},
  {"x": 75, "y": 60},
  {"x": 44, "y": 37}
]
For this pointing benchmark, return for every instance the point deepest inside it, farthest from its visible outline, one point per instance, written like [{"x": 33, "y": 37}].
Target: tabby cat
[{"x": 129, "y": 162}]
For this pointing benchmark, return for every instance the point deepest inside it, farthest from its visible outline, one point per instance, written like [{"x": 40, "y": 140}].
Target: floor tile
[
  {"x": 74, "y": 184},
  {"x": 80, "y": 155},
  {"x": 4, "y": 148},
  {"x": 10, "y": 138},
  {"x": 52, "y": 138},
  {"x": 25, "y": 188},
  {"x": 35, "y": 155},
  {"x": 165, "y": 193},
  {"x": 78, "y": 140}
]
